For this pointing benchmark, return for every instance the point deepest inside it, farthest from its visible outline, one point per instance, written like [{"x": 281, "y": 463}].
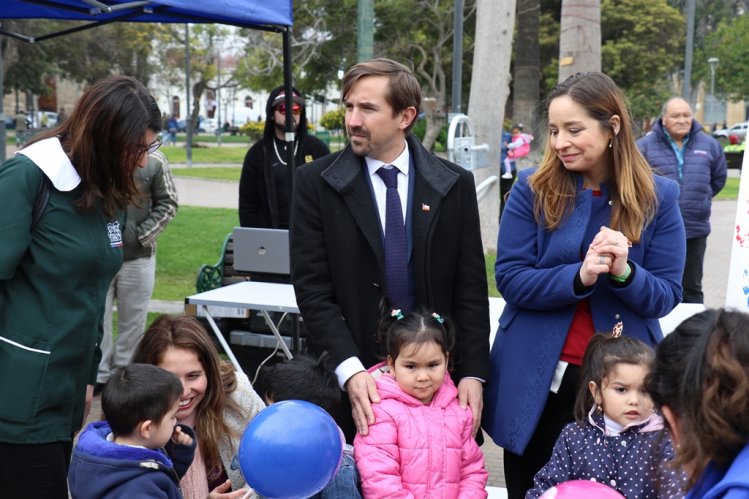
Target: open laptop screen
[{"x": 261, "y": 250}]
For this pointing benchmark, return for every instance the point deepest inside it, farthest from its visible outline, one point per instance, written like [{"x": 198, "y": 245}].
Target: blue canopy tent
[{"x": 275, "y": 16}]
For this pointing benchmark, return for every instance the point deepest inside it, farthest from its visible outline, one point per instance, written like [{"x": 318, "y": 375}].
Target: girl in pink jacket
[{"x": 420, "y": 445}]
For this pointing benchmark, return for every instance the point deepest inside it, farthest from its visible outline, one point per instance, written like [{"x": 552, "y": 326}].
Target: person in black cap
[{"x": 263, "y": 189}]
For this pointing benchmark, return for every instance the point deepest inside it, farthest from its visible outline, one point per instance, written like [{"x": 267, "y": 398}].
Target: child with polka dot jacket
[{"x": 617, "y": 439}]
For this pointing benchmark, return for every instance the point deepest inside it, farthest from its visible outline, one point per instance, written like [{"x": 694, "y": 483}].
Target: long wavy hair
[
  {"x": 103, "y": 137},
  {"x": 631, "y": 184},
  {"x": 187, "y": 333},
  {"x": 701, "y": 373}
]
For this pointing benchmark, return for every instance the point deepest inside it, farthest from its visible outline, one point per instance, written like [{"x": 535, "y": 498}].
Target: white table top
[{"x": 250, "y": 294}]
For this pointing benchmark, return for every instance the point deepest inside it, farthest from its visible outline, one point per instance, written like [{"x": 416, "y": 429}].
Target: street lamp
[{"x": 713, "y": 62}]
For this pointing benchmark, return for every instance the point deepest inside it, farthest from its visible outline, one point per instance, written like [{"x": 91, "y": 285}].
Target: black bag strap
[{"x": 40, "y": 202}]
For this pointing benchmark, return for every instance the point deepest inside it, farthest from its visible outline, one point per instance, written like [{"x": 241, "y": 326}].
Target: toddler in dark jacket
[
  {"x": 139, "y": 451},
  {"x": 618, "y": 439}
]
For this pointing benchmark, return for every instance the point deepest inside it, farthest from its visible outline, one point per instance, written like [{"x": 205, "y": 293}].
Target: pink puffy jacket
[{"x": 420, "y": 451}]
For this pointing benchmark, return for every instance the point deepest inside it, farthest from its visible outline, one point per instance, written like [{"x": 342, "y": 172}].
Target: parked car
[
  {"x": 208, "y": 125},
  {"x": 10, "y": 122},
  {"x": 738, "y": 130}
]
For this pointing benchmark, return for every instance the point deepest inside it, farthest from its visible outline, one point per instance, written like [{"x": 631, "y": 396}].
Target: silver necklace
[{"x": 275, "y": 148}]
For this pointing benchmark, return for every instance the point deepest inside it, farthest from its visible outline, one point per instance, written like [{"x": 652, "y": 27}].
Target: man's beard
[
  {"x": 282, "y": 128},
  {"x": 363, "y": 149}
]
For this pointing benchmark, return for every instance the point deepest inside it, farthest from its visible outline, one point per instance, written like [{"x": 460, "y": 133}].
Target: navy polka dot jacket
[{"x": 635, "y": 462}]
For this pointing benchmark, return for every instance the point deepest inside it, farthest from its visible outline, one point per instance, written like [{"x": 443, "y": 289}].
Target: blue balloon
[{"x": 290, "y": 450}]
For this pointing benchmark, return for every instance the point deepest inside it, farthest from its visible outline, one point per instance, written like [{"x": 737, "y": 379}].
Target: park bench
[{"x": 222, "y": 273}]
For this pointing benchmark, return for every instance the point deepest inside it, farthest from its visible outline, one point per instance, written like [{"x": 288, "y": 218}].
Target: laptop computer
[{"x": 261, "y": 250}]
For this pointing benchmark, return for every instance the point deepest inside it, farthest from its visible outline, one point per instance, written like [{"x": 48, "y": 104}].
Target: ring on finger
[{"x": 601, "y": 259}]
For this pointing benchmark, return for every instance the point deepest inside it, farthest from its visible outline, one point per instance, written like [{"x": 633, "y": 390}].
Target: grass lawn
[
  {"x": 212, "y": 138},
  {"x": 490, "y": 259},
  {"x": 194, "y": 237},
  {"x": 210, "y": 154},
  {"x": 731, "y": 190}
]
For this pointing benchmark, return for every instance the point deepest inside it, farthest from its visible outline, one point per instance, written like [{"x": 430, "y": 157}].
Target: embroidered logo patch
[
  {"x": 701, "y": 152},
  {"x": 115, "y": 234}
]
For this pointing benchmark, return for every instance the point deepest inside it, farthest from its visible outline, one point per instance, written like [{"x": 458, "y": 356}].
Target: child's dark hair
[
  {"x": 397, "y": 329},
  {"x": 604, "y": 352},
  {"x": 303, "y": 378},
  {"x": 701, "y": 373},
  {"x": 137, "y": 393}
]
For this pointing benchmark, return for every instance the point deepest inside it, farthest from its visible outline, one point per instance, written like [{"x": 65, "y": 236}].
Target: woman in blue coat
[{"x": 589, "y": 240}]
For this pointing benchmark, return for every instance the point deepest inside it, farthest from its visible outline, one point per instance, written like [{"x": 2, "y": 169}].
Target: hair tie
[
  {"x": 396, "y": 312},
  {"x": 438, "y": 318}
]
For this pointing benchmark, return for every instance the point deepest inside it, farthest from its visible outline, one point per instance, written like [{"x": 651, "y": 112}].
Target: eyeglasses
[
  {"x": 154, "y": 146},
  {"x": 296, "y": 109}
]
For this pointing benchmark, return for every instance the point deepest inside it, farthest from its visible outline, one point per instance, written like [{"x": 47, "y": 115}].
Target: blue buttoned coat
[{"x": 535, "y": 273}]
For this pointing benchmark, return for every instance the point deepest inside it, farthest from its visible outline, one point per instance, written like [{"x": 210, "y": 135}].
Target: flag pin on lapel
[{"x": 425, "y": 207}]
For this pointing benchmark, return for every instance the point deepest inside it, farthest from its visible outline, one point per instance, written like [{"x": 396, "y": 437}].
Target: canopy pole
[{"x": 289, "y": 117}]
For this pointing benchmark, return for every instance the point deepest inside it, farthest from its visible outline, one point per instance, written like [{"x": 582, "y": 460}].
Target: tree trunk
[
  {"x": 197, "y": 92},
  {"x": 435, "y": 119},
  {"x": 526, "y": 84},
  {"x": 580, "y": 37},
  {"x": 489, "y": 90}
]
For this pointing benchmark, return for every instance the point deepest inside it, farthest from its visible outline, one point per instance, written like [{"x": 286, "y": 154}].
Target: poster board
[{"x": 737, "y": 293}]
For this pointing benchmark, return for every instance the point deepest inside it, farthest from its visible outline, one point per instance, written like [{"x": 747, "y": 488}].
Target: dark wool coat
[{"x": 337, "y": 256}]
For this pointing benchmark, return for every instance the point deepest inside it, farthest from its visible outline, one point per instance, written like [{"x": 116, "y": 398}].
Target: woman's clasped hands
[{"x": 607, "y": 254}]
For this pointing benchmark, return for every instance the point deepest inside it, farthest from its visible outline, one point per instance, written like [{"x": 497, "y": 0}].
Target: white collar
[
  {"x": 49, "y": 156},
  {"x": 402, "y": 162}
]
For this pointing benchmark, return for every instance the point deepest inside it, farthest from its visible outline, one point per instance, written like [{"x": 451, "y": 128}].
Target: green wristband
[{"x": 622, "y": 278}]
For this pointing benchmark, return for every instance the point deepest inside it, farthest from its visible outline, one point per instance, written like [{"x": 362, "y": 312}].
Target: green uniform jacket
[{"x": 53, "y": 283}]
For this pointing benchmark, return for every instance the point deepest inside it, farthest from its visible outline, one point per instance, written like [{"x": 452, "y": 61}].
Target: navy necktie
[{"x": 396, "y": 245}]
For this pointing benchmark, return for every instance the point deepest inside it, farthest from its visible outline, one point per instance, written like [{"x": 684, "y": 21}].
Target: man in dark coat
[
  {"x": 263, "y": 186},
  {"x": 677, "y": 148},
  {"x": 338, "y": 241}
]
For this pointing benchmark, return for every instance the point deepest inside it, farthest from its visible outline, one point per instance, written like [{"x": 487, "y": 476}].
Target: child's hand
[{"x": 181, "y": 438}]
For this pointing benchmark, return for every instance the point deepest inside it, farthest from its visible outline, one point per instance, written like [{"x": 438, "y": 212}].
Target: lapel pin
[{"x": 425, "y": 207}]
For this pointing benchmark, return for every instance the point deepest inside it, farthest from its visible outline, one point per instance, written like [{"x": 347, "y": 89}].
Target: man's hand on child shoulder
[{"x": 181, "y": 438}]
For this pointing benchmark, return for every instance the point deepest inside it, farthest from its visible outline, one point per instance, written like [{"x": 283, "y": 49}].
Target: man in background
[
  {"x": 264, "y": 184},
  {"x": 678, "y": 148}
]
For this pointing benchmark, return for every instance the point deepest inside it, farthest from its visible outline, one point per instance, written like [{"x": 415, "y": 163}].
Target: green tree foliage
[
  {"x": 730, "y": 44},
  {"x": 333, "y": 120},
  {"x": 636, "y": 53},
  {"x": 642, "y": 46},
  {"x": 253, "y": 129},
  {"x": 323, "y": 40},
  {"x": 83, "y": 57}
]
